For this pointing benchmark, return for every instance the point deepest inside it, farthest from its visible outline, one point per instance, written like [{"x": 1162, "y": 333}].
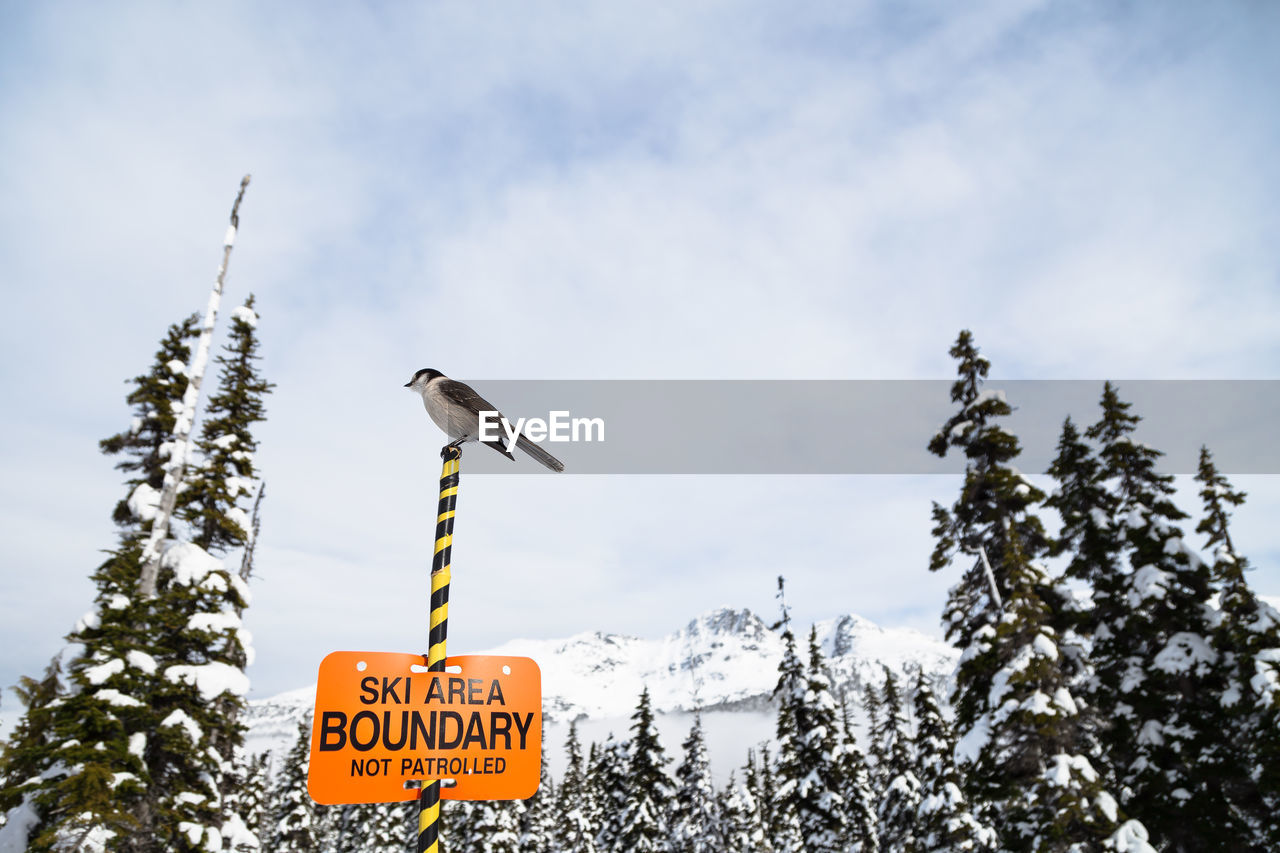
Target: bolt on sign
[{"x": 383, "y": 721}]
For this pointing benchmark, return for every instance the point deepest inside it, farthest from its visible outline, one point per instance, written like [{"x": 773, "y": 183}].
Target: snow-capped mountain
[{"x": 724, "y": 660}]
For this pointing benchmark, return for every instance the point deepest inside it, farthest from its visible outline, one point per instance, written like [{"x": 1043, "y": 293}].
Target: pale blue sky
[{"x": 620, "y": 190}]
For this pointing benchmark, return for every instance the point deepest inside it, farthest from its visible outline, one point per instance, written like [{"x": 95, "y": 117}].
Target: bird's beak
[{"x": 409, "y": 384}]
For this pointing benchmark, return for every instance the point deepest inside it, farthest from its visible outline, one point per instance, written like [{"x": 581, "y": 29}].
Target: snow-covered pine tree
[
  {"x": 1156, "y": 658},
  {"x": 1088, "y": 535},
  {"x": 464, "y": 815},
  {"x": 575, "y": 832},
  {"x": 783, "y": 815},
  {"x": 1020, "y": 744},
  {"x": 743, "y": 829},
  {"x": 198, "y": 651},
  {"x": 822, "y": 807},
  {"x": 493, "y": 826},
  {"x": 853, "y": 780},
  {"x": 1245, "y": 759},
  {"x": 758, "y": 793},
  {"x": 1035, "y": 729},
  {"x": 762, "y": 783},
  {"x": 298, "y": 824},
  {"x": 992, "y": 509},
  {"x": 345, "y": 826},
  {"x": 539, "y": 815},
  {"x": 24, "y": 757},
  {"x": 371, "y": 828},
  {"x": 248, "y": 796},
  {"x": 384, "y": 827},
  {"x": 244, "y": 799},
  {"x": 900, "y": 799},
  {"x": 944, "y": 822},
  {"x": 644, "y": 822},
  {"x": 512, "y": 818},
  {"x": 871, "y": 707},
  {"x": 156, "y": 399},
  {"x": 213, "y": 502},
  {"x": 92, "y": 769},
  {"x": 608, "y": 786},
  {"x": 1090, "y": 539},
  {"x": 198, "y": 640},
  {"x": 95, "y": 775},
  {"x": 697, "y": 822},
  {"x": 107, "y": 770},
  {"x": 1093, "y": 535}
]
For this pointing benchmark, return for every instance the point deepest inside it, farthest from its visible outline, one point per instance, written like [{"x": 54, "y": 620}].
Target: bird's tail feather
[{"x": 541, "y": 456}]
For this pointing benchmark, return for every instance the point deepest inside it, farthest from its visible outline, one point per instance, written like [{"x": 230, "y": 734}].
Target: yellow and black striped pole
[{"x": 429, "y": 795}]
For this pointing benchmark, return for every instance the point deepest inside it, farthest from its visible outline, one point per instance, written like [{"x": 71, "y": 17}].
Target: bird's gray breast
[{"x": 455, "y": 420}]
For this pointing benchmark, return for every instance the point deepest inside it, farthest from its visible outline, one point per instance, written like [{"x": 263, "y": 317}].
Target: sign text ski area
[{"x": 390, "y": 727}]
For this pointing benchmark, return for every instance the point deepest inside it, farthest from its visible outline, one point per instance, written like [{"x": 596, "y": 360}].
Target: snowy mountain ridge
[{"x": 725, "y": 659}]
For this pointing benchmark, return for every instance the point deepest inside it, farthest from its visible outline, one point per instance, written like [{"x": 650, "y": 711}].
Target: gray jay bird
[{"x": 455, "y": 407}]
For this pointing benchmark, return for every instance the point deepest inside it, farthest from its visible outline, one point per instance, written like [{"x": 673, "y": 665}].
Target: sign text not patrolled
[{"x": 381, "y": 720}]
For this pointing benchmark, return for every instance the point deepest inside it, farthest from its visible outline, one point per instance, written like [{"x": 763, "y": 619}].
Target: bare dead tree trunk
[
  {"x": 181, "y": 442},
  {"x": 246, "y": 562}
]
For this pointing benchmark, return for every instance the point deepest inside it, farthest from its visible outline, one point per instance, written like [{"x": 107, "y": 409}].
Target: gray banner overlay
[{"x": 863, "y": 426}]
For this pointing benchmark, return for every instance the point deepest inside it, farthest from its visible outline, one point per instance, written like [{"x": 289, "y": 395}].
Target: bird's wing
[
  {"x": 465, "y": 395},
  {"x": 466, "y": 398}
]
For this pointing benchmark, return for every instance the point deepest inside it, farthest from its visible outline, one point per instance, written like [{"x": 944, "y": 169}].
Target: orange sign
[{"x": 382, "y": 721}]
